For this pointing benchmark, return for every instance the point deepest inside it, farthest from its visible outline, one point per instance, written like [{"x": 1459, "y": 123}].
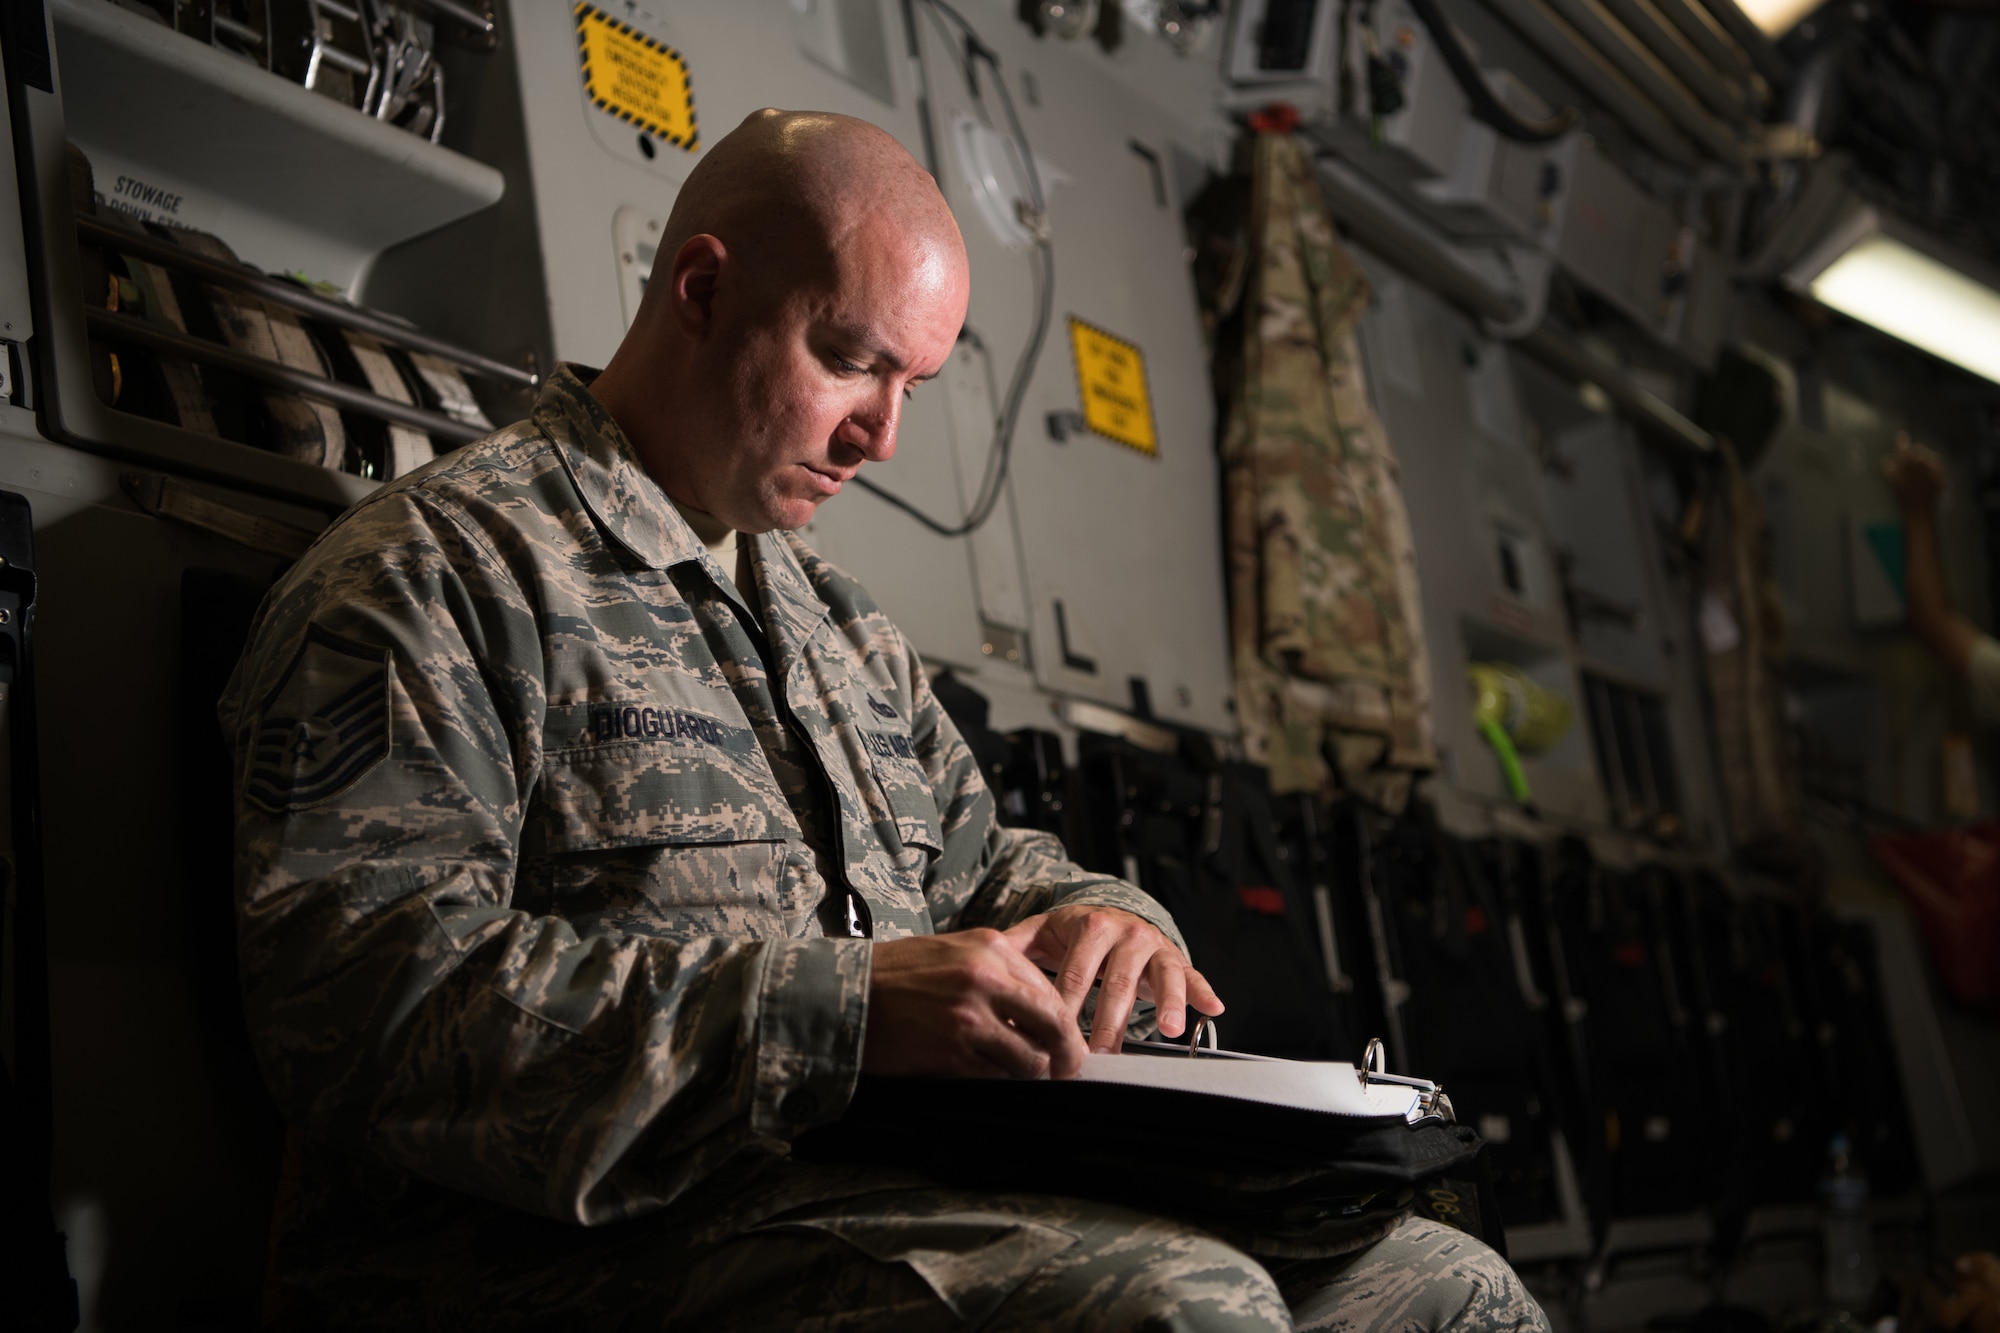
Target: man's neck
[
  {"x": 713, "y": 532},
  {"x": 725, "y": 545}
]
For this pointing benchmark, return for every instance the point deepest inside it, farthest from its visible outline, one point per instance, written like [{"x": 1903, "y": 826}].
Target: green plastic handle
[{"x": 1510, "y": 762}]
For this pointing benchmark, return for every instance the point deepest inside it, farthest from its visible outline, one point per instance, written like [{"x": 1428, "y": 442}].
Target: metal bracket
[
  {"x": 1065, "y": 423},
  {"x": 1532, "y": 270}
]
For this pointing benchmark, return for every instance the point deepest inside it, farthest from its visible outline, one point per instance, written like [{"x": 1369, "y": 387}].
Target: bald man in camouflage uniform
[{"x": 582, "y": 870}]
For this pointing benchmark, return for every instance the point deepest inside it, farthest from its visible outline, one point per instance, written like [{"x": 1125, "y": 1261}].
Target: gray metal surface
[
  {"x": 1932, "y": 1073},
  {"x": 294, "y": 181},
  {"x": 292, "y": 296},
  {"x": 157, "y": 1178},
  {"x": 1603, "y": 516},
  {"x": 1763, "y": 52},
  {"x": 1701, "y": 29},
  {"x": 1615, "y": 42},
  {"x": 1558, "y": 39},
  {"x": 17, "y": 320},
  {"x": 1382, "y": 225},
  {"x": 68, "y": 399},
  {"x": 1128, "y": 544},
  {"x": 1723, "y": 93},
  {"x": 1472, "y": 485}
]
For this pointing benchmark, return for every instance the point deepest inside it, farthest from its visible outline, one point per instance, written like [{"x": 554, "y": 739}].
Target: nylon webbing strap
[
  {"x": 165, "y": 497},
  {"x": 1463, "y": 1199}
]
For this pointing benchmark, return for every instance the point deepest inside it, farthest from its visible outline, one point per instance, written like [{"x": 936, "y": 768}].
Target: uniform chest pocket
[
  {"x": 906, "y": 791},
  {"x": 635, "y": 837}
]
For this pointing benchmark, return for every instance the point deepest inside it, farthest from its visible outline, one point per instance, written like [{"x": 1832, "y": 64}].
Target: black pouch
[{"x": 1278, "y": 1181}]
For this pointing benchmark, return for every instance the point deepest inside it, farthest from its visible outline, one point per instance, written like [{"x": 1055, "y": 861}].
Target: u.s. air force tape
[{"x": 323, "y": 727}]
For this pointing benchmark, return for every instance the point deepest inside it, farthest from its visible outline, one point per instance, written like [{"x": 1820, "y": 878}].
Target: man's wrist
[{"x": 1130, "y": 898}]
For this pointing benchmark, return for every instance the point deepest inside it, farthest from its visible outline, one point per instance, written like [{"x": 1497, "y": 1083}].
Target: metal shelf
[
  {"x": 293, "y": 180},
  {"x": 183, "y": 132}
]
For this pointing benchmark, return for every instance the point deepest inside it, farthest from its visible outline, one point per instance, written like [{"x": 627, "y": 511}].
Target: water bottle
[{"x": 1850, "y": 1240}]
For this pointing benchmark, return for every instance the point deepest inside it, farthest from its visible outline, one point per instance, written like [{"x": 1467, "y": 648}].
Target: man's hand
[
  {"x": 1975, "y": 1306},
  {"x": 967, "y": 1003},
  {"x": 1135, "y": 960},
  {"x": 1915, "y": 474}
]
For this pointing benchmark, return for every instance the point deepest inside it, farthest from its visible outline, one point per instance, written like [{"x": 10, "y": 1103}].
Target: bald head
[
  {"x": 810, "y": 277},
  {"x": 789, "y": 190}
]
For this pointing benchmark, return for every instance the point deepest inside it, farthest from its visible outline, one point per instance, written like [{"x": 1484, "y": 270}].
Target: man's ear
[{"x": 695, "y": 279}]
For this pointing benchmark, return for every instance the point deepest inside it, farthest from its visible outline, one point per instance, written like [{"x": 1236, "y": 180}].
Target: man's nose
[{"x": 872, "y": 430}]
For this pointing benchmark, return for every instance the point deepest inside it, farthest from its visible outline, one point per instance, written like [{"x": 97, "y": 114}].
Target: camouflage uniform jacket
[
  {"x": 548, "y": 853},
  {"x": 1325, "y": 611}
]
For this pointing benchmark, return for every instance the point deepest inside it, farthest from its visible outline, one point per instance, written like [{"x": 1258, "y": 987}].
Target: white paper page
[{"x": 1312, "y": 1086}]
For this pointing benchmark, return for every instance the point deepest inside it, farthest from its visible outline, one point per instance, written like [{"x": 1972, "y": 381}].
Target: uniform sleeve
[
  {"x": 994, "y": 876},
  {"x": 386, "y": 721}
]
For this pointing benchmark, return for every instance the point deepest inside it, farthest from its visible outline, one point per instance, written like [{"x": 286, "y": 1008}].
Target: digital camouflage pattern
[
  {"x": 550, "y": 842},
  {"x": 544, "y": 877},
  {"x": 1325, "y": 622},
  {"x": 901, "y": 1258},
  {"x": 1424, "y": 1276}
]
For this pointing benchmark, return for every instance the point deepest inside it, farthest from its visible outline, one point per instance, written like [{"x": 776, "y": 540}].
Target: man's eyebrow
[{"x": 864, "y": 343}]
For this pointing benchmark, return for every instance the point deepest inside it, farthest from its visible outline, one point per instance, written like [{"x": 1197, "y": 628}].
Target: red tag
[
  {"x": 1275, "y": 118},
  {"x": 1261, "y": 898},
  {"x": 1631, "y": 955},
  {"x": 1475, "y": 921}
]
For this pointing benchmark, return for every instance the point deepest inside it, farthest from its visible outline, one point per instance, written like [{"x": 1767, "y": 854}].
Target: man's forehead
[{"x": 900, "y": 312}]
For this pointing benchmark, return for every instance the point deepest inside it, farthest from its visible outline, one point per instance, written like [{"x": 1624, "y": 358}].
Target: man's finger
[
  {"x": 1057, "y": 1046},
  {"x": 1041, "y": 1019},
  {"x": 1123, "y": 968},
  {"x": 1080, "y": 964},
  {"x": 1200, "y": 994},
  {"x": 1009, "y": 1054},
  {"x": 1025, "y": 935},
  {"x": 1168, "y": 975}
]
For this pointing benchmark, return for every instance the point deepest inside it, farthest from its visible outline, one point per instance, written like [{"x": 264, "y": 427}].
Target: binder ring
[
  {"x": 1202, "y": 1025},
  {"x": 1374, "y": 1060}
]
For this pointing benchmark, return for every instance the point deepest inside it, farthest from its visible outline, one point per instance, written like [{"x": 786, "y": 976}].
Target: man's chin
[{"x": 791, "y": 514}]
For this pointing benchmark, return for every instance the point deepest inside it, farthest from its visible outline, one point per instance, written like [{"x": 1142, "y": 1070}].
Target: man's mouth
[{"x": 828, "y": 482}]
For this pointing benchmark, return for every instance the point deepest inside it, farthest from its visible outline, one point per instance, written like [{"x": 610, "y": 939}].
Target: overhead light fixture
[
  {"x": 1775, "y": 18},
  {"x": 1881, "y": 271}
]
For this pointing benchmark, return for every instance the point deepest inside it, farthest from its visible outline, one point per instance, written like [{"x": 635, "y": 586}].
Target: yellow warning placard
[
  {"x": 642, "y": 81},
  {"x": 1111, "y": 378}
]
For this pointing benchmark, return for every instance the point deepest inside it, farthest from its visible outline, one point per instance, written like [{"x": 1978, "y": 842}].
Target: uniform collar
[
  {"x": 632, "y": 510},
  {"x": 628, "y": 504},
  {"x": 793, "y": 609}
]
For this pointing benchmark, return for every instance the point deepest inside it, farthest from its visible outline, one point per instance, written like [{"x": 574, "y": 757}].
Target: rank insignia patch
[{"x": 325, "y": 725}]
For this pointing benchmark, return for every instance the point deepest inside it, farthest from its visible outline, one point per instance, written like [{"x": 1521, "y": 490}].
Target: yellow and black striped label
[
  {"x": 1111, "y": 379},
  {"x": 640, "y": 80}
]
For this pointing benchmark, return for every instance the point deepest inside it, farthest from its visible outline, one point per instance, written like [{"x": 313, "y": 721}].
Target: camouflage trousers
[{"x": 911, "y": 1261}]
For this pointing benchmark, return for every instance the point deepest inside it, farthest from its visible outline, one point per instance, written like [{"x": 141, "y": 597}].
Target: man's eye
[{"x": 845, "y": 366}]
